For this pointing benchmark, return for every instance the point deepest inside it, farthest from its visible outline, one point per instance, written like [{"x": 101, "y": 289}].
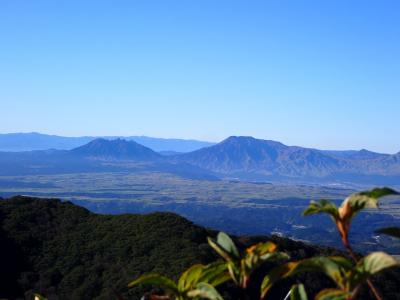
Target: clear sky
[{"x": 322, "y": 74}]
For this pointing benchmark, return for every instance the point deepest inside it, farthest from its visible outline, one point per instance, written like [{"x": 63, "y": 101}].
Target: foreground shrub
[{"x": 200, "y": 282}]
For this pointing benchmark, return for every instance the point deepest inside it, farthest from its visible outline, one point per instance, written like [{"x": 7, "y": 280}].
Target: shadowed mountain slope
[
  {"x": 115, "y": 149},
  {"x": 100, "y": 155},
  {"x": 244, "y": 156},
  {"x": 247, "y": 154}
]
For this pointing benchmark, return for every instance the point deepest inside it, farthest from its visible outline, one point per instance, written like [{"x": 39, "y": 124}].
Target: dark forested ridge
[
  {"x": 57, "y": 248},
  {"x": 65, "y": 252}
]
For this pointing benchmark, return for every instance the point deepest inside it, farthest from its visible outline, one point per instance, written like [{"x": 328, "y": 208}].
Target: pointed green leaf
[
  {"x": 333, "y": 294},
  {"x": 259, "y": 253},
  {"x": 277, "y": 274},
  {"x": 358, "y": 201},
  {"x": 334, "y": 267},
  {"x": 234, "y": 271},
  {"x": 221, "y": 251},
  {"x": 322, "y": 206},
  {"x": 262, "y": 248},
  {"x": 392, "y": 231},
  {"x": 298, "y": 292},
  {"x": 190, "y": 277},
  {"x": 155, "y": 279},
  {"x": 205, "y": 291},
  {"x": 355, "y": 203},
  {"x": 379, "y": 192},
  {"x": 227, "y": 244},
  {"x": 215, "y": 274},
  {"x": 275, "y": 256}
]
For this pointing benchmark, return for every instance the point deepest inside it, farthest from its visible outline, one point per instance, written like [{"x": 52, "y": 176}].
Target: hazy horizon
[{"x": 193, "y": 139}]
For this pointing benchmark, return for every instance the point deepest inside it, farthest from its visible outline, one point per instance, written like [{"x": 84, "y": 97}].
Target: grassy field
[{"x": 159, "y": 187}]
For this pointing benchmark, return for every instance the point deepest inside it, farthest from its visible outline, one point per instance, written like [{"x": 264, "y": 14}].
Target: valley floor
[{"x": 236, "y": 207}]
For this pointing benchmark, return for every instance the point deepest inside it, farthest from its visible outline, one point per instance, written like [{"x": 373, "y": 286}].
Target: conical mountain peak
[{"x": 115, "y": 149}]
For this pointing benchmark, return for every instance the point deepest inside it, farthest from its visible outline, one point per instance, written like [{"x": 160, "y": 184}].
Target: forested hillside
[
  {"x": 65, "y": 252},
  {"x": 61, "y": 249}
]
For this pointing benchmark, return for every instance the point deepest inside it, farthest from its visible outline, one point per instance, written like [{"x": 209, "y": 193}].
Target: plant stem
[
  {"x": 374, "y": 290},
  {"x": 355, "y": 293}
]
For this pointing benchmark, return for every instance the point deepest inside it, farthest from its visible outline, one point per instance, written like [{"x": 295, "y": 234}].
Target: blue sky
[{"x": 322, "y": 74}]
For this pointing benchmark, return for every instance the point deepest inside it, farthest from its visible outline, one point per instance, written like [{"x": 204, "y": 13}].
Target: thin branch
[{"x": 374, "y": 290}]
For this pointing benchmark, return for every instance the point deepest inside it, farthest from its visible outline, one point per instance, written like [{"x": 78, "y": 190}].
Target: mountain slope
[
  {"x": 247, "y": 154},
  {"x": 115, "y": 149},
  {"x": 100, "y": 155},
  {"x": 236, "y": 154},
  {"x": 353, "y": 154},
  {"x": 247, "y": 157},
  {"x": 57, "y": 248}
]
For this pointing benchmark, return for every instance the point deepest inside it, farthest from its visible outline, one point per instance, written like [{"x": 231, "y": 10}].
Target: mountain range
[
  {"x": 238, "y": 156},
  {"x": 235, "y": 158}
]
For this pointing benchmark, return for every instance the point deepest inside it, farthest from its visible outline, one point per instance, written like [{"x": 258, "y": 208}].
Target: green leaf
[
  {"x": 215, "y": 274},
  {"x": 275, "y": 256},
  {"x": 322, "y": 206},
  {"x": 221, "y": 251},
  {"x": 227, "y": 244},
  {"x": 298, "y": 292},
  {"x": 379, "y": 192},
  {"x": 234, "y": 271},
  {"x": 260, "y": 253},
  {"x": 354, "y": 203},
  {"x": 371, "y": 265},
  {"x": 262, "y": 248},
  {"x": 205, "y": 291},
  {"x": 277, "y": 274},
  {"x": 155, "y": 279},
  {"x": 333, "y": 294},
  {"x": 39, "y": 297},
  {"x": 334, "y": 267},
  {"x": 392, "y": 231},
  {"x": 190, "y": 277},
  {"x": 367, "y": 199},
  {"x": 376, "y": 262}
]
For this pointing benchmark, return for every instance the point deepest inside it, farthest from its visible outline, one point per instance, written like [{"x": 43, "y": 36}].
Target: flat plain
[{"x": 233, "y": 206}]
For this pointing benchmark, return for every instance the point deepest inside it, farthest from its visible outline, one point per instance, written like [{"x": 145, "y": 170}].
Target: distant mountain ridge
[
  {"x": 237, "y": 158},
  {"x": 99, "y": 155},
  {"x": 17, "y": 142},
  {"x": 246, "y": 157}
]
